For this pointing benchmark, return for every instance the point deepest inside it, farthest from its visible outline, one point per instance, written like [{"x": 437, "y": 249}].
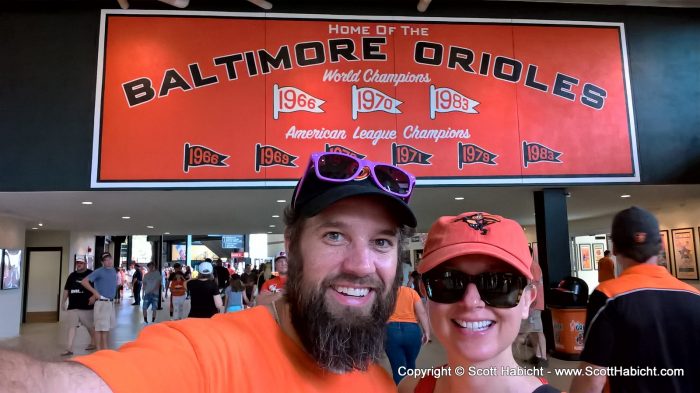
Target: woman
[
  {"x": 403, "y": 334},
  {"x": 206, "y": 300},
  {"x": 265, "y": 275},
  {"x": 476, "y": 274},
  {"x": 236, "y": 297}
]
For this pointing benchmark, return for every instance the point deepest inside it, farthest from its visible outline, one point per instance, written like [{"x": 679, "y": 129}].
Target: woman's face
[{"x": 471, "y": 330}]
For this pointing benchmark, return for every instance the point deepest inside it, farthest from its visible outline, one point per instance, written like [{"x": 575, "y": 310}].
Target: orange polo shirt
[
  {"x": 245, "y": 351},
  {"x": 274, "y": 284},
  {"x": 405, "y": 311}
]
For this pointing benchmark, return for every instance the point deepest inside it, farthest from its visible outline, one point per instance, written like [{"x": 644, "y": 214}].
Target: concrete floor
[{"x": 47, "y": 341}]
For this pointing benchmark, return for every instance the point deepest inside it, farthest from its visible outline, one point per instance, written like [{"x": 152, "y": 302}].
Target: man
[
  {"x": 274, "y": 288},
  {"x": 79, "y": 311},
  {"x": 249, "y": 278},
  {"x": 178, "y": 292},
  {"x": 643, "y": 321},
  {"x": 222, "y": 275},
  {"x": 606, "y": 268},
  {"x": 344, "y": 238},
  {"x": 136, "y": 280},
  {"x": 105, "y": 287},
  {"x": 151, "y": 291}
]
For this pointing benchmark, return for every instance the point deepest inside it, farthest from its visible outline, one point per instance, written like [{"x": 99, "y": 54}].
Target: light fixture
[
  {"x": 423, "y": 5},
  {"x": 272, "y": 225},
  {"x": 275, "y": 216},
  {"x": 281, "y": 201},
  {"x": 86, "y": 203},
  {"x": 269, "y": 232},
  {"x": 150, "y": 226},
  {"x": 41, "y": 225},
  {"x": 459, "y": 198},
  {"x": 166, "y": 233},
  {"x": 35, "y": 228},
  {"x": 625, "y": 196},
  {"x": 126, "y": 218}
]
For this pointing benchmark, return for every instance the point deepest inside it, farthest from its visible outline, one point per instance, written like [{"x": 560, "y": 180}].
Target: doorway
[{"x": 42, "y": 284}]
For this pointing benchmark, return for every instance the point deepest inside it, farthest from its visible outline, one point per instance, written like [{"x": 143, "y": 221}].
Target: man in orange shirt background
[
  {"x": 606, "y": 267},
  {"x": 344, "y": 230},
  {"x": 274, "y": 288}
]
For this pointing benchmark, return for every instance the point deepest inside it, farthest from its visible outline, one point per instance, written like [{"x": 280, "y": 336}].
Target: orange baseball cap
[{"x": 476, "y": 233}]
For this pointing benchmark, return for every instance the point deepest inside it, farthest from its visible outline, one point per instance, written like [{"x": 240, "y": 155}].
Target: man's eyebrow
[{"x": 342, "y": 225}]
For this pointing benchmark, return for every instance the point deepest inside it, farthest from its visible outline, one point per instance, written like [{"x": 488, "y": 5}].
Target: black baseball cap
[
  {"x": 635, "y": 234},
  {"x": 316, "y": 195}
]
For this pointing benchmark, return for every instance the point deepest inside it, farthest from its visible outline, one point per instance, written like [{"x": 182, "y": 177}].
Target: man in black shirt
[
  {"x": 78, "y": 309},
  {"x": 222, "y": 275},
  {"x": 136, "y": 284},
  {"x": 249, "y": 278}
]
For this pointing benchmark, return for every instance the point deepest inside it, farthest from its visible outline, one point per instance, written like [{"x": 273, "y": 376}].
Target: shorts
[
  {"x": 234, "y": 308},
  {"x": 150, "y": 299},
  {"x": 533, "y": 323},
  {"x": 104, "y": 316},
  {"x": 77, "y": 317}
]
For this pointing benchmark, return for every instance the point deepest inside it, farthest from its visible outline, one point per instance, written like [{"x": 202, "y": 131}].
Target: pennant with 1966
[
  {"x": 196, "y": 155},
  {"x": 291, "y": 99}
]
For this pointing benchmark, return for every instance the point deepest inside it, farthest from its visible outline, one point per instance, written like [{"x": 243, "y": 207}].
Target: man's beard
[{"x": 343, "y": 343}]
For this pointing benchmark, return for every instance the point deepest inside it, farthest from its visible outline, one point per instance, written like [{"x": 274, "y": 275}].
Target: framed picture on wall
[
  {"x": 598, "y": 253},
  {"x": 584, "y": 256},
  {"x": 683, "y": 242},
  {"x": 665, "y": 257},
  {"x": 11, "y": 268}
]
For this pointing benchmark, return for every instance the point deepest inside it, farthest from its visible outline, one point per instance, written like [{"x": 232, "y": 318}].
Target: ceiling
[{"x": 250, "y": 211}]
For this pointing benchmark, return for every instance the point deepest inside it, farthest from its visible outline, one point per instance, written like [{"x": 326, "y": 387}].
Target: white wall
[{"x": 12, "y": 234}]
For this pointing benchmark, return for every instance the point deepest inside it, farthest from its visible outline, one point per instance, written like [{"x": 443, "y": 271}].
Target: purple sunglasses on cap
[{"x": 340, "y": 168}]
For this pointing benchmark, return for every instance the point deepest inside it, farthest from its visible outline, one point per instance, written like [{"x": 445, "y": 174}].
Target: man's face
[
  {"x": 281, "y": 266},
  {"x": 80, "y": 266},
  {"x": 342, "y": 282},
  {"x": 108, "y": 262}
]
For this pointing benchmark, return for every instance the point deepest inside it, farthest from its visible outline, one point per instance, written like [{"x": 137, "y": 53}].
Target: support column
[{"x": 552, "y": 223}]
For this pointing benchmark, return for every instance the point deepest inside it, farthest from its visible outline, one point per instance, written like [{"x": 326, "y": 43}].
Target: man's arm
[
  {"x": 21, "y": 373},
  {"x": 64, "y": 306},
  {"x": 95, "y": 294},
  {"x": 588, "y": 383}
]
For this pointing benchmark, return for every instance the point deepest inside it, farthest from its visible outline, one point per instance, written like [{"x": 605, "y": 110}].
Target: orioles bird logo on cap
[
  {"x": 478, "y": 222},
  {"x": 640, "y": 237}
]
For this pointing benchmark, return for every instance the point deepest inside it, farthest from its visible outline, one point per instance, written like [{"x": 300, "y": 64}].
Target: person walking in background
[
  {"x": 178, "y": 292},
  {"x": 265, "y": 274},
  {"x": 151, "y": 291},
  {"x": 79, "y": 311},
  {"x": 275, "y": 287},
  {"x": 188, "y": 277},
  {"x": 136, "y": 281},
  {"x": 120, "y": 285},
  {"x": 222, "y": 275},
  {"x": 105, "y": 280},
  {"x": 532, "y": 326},
  {"x": 606, "y": 268},
  {"x": 236, "y": 297},
  {"x": 644, "y": 319},
  {"x": 249, "y": 278},
  {"x": 403, "y": 338},
  {"x": 206, "y": 299}
]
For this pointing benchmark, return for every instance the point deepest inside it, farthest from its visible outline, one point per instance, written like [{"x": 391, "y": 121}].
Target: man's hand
[
  {"x": 426, "y": 338},
  {"x": 93, "y": 299}
]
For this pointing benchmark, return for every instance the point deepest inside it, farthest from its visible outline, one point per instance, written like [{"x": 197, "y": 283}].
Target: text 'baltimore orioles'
[{"x": 258, "y": 62}]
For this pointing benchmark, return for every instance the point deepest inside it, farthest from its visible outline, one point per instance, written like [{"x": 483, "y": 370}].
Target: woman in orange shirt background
[{"x": 403, "y": 334}]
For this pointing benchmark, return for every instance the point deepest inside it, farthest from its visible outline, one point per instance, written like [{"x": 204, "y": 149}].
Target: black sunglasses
[{"x": 497, "y": 289}]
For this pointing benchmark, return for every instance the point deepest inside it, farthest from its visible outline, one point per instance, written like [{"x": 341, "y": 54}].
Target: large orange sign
[{"x": 219, "y": 99}]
